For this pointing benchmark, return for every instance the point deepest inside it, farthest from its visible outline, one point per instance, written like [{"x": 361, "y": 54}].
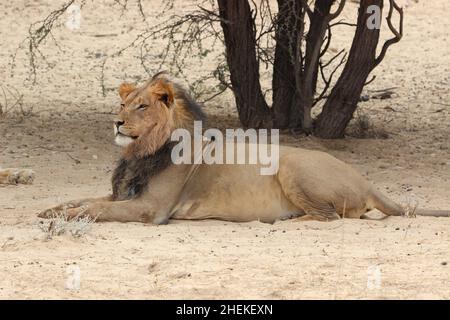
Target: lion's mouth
[
  {"x": 125, "y": 135},
  {"x": 124, "y": 140}
]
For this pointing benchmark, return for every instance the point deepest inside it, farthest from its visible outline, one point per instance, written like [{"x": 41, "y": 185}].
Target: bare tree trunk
[
  {"x": 288, "y": 26},
  {"x": 343, "y": 99},
  {"x": 315, "y": 37},
  {"x": 239, "y": 35},
  {"x": 319, "y": 18},
  {"x": 295, "y": 77}
]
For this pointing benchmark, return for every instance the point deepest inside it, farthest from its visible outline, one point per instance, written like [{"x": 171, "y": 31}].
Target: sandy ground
[{"x": 67, "y": 140}]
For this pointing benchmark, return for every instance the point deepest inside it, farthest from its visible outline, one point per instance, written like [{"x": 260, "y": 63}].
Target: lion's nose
[{"x": 118, "y": 123}]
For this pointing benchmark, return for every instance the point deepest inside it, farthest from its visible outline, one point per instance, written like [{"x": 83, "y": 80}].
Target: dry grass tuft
[
  {"x": 60, "y": 224},
  {"x": 12, "y": 99},
  {"x": 410, "y": 208},
  {"x": 363, "y": 128}
]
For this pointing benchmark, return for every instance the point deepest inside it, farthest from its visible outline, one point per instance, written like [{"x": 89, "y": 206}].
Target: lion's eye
[
  {"x": 142, "y": 107},
  {"x": 122, "y": 106}
]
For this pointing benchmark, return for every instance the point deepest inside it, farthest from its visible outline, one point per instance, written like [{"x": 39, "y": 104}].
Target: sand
[{"x": 64, "y": 133}]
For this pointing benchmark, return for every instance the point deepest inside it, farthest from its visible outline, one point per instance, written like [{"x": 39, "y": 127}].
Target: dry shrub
[
  {"x": 60, "y": 224},
  {"x": 364, "y": 128},
  {"x": 11, "y": 100}
]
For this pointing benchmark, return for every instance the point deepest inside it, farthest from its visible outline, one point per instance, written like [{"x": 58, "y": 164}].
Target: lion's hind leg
[
  {"x": 314, "y": 208},
  {"x": 319, "y": 191},
  {"x": 309, "y": 200},
  {"x": 316, "y": 211}
]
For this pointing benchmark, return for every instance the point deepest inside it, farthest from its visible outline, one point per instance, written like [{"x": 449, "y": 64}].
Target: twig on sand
[
  {"x": 6, "y": 242},
  {"x": 77, "y": 161},
  {"x": 383, "y": 93},
  {"x": 51, "y": 149},
  {"x": 384, "y": 90},
  {"x": 441, "y": 103},
  {"x": 106, "y": 35}
]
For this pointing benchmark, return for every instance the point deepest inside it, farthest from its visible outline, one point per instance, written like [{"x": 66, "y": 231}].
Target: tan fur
[
  {"x": 16, "y": 176},
  {"x": 154, "y": 124},
  {"x": 308, "y": 183}
]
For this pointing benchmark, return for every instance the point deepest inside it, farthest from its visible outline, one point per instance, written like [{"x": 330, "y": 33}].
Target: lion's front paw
[
  {"x": 59, "y": 209},
  {"x": 53, "y": 212},
  {"x": 76, "y": 213},
  {"x": 48, "y": 213},
  {"x": 66, "y": 211}
]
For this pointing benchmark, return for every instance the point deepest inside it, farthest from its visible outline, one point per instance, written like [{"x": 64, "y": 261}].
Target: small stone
[
  {"x": 364, "y": 97},
  {"x": 151, "y": 267}
]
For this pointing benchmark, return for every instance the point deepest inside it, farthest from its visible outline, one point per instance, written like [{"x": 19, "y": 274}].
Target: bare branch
[
  {"x": 327, "y": 44},
  {"x": 212, "y": 13},
  {"x": 38, "y": 32},
  {"x": 398, "y": 34},
  {"x": 338, "y": 10},
  {"x": 16, "y": 99},
  {"x": 214, "y": 95},
  {"x": 343, "y": 23},
  {"x": 333, "y": 58},
  {"x": 307, "y": 8},
  {"x": 141, "y": 10},
  {"x": 370, "y": 81},
  {"x": 330, "y": 77}
]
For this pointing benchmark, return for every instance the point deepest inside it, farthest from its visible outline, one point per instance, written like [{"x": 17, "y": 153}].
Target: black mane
[
  {"x": 131, "y": 177},
  {"x": 193, "y": 106},
  {"x": 181, "y": 93}
]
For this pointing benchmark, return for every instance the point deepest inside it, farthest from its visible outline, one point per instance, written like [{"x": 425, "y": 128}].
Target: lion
[
  {"x": 16, "y": 176},
  {"x": 148, "y": 187}
]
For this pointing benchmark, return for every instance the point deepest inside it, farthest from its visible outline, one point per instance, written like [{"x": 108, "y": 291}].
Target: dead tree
[{"x": 295, "y": 73}]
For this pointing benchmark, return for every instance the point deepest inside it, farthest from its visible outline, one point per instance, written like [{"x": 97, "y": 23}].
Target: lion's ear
[
  {"x": 164, "y": 91},
  {"x": 125, "y": 89}
]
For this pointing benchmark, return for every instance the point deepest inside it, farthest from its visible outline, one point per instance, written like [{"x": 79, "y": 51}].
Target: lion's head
[{"x": 150, "y": 113}]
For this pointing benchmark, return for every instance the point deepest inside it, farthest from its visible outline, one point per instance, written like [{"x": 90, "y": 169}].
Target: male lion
[{"x": 148, "y": 187}]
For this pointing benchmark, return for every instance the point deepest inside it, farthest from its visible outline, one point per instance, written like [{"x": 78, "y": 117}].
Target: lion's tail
[
  {"x": 432, "y": 213},
  {"x": 391, "y": 208}
]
